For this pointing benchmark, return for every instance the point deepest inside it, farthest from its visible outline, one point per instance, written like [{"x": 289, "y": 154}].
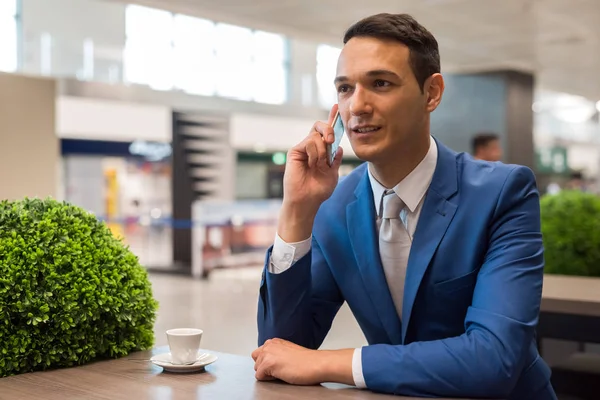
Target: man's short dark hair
[
  {"x": 481, "y": 140},
  {"x": 424, "y": 53}
]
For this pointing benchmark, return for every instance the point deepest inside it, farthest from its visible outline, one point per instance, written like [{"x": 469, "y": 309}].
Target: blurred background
[{"x": 170, "y": 120}]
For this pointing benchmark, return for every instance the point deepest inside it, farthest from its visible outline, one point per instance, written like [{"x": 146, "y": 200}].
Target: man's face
[
  {"x": 379, "y": 98},
  {"x": 491, "y": 152}
]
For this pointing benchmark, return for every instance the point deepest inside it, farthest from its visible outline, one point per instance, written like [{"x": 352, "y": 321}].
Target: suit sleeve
[
  {"x": 300, "y": 303},
  {"x": 487, "y": 360}
]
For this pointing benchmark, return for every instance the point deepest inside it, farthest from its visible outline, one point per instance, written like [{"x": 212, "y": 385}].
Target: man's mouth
[{"x": 366, "y": 129}]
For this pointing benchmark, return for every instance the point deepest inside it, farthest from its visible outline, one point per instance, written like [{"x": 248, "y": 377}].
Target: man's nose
[{"x": 360, "y": 103}]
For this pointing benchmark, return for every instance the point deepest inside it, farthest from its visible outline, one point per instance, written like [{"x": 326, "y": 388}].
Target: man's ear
[{"x": 434, "y": 85}]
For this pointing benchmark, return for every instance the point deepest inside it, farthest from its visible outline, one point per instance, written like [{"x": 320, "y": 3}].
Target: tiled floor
[{"x": 224, "y": 306}]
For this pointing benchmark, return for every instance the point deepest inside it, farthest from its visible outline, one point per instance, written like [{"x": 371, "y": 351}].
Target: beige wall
[{"x": 29, "y": 147}]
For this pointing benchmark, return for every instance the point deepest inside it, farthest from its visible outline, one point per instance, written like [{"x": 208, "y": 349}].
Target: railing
[
  {"x": 49, "y": 55},
  {"x": 89, "y": 60},
  {"x": 224, "y": 235}
]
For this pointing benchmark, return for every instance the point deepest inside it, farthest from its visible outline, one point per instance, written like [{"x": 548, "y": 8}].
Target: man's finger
[
  {"x": 325, "y": 131},
  {"x": 262, "y": 375},
  {"x": 256, "y": 352},
  {"x": 258, "y": 362},
  {"x": 260, "y": 359},
  {"x": 263, "y": 367},
  {"x": 332, "y": 113},
  {"x": 313, "y": 154}
]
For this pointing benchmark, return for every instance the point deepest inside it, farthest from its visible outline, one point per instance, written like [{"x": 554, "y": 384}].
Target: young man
[
  {"x": 486, "y": 146},
  {"x": 439, "y": 256}
]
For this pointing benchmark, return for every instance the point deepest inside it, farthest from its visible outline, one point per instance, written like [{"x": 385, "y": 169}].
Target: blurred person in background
[
  {"x": 457, "y": 317},
  {"x": 487, "y": 147},
  {"x": 577, "y": 182}
]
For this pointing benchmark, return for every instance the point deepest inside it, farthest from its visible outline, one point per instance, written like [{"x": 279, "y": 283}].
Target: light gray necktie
[{"x": 394, "y": 246}]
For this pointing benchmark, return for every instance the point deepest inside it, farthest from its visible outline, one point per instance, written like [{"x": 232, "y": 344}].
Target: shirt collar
[{"x": 414, "y": 186}]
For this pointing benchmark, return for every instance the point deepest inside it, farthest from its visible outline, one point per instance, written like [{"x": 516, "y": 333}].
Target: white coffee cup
[{"x": 184, "y": 344}]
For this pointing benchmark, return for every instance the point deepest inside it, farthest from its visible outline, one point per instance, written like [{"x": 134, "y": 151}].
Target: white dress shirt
[{"x": 411, "y": 190}]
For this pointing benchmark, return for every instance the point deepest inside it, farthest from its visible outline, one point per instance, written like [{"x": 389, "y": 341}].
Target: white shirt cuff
[
  {"x": 284, "y": 255},
  {"x": 357, "y": 371}
]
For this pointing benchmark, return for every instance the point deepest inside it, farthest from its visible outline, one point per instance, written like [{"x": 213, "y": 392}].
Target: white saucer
[{"x": 164, "y": 360}]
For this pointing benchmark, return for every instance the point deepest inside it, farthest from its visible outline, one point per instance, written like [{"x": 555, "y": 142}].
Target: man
[
  {"x": 576, "y": 181},
  {"x": 438, "y": 256},
  {"x": 486, "y": 146}
]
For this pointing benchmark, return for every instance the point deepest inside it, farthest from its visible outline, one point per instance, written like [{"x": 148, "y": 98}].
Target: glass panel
[
  {"x": 233, "y": 43},
  {"x": 195, "y": 72},
  {"x": 269, "y": 46},
  {"x": 149, "y": 64},
  {"x": 234, "y": 79},
  {"x": 197, "y": 56},
  {"x": 269, "y": 82},
  {"x": 194, "y": 60},
  {"x": 148, "y": 24},
  {"x": 8, "y": 8},
  {"x": 149, "y": 48},
  {"x": 270, "y": 69},
  {"x": 327, "y": 58},
  {"x": 233, "y": 49},
  {"x": 8, "y": 43},
  {"x": 193, "y": 32}
]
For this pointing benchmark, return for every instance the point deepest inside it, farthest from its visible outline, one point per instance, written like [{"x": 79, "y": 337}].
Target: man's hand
[
  {"x": 308, "y": 181},
  {"x": 286, "y": 361},
  {"x": 280, "y": 359}
]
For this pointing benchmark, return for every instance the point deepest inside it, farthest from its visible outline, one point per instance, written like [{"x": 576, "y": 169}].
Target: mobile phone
[{"x": 338, "y": 133}]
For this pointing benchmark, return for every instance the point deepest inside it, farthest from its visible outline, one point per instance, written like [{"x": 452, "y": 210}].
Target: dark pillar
[
  {"x": 183, "y": 197},
  {"x": 203, "y": 170},
  {"x": 499, "y": 102}
]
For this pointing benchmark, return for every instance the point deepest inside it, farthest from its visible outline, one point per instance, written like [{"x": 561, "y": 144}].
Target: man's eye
[
  {"x": 381, "y": 83},
  {"x": 343, "y": 88}
]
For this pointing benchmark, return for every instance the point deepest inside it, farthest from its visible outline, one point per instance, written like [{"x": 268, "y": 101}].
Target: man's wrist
[
  {"x": 295, "y": 222},
  {"x": 336, "y": 366}
]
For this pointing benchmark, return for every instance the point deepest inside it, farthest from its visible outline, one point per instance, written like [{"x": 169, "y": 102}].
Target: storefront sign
[{"x": 152, "y": 151}]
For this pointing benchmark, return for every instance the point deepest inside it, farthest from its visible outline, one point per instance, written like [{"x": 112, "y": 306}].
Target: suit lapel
[
  {"x": 361, "y": 218},
  {"x": 435, "y": 217}
]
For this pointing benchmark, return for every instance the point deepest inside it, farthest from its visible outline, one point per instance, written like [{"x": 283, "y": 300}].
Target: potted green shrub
[
  {"x": 571, "y": 233},
  {"x": 70, "y": 292}
]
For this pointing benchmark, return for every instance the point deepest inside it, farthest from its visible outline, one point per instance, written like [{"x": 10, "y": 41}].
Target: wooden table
[
  {"x": 231, "y": 377},
  {"x": 571, "y": 295},
  {"x": 570, "y": 309}
]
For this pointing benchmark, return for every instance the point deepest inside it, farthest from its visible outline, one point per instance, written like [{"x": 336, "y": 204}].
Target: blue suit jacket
[{"x": 472, "y": 293}]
